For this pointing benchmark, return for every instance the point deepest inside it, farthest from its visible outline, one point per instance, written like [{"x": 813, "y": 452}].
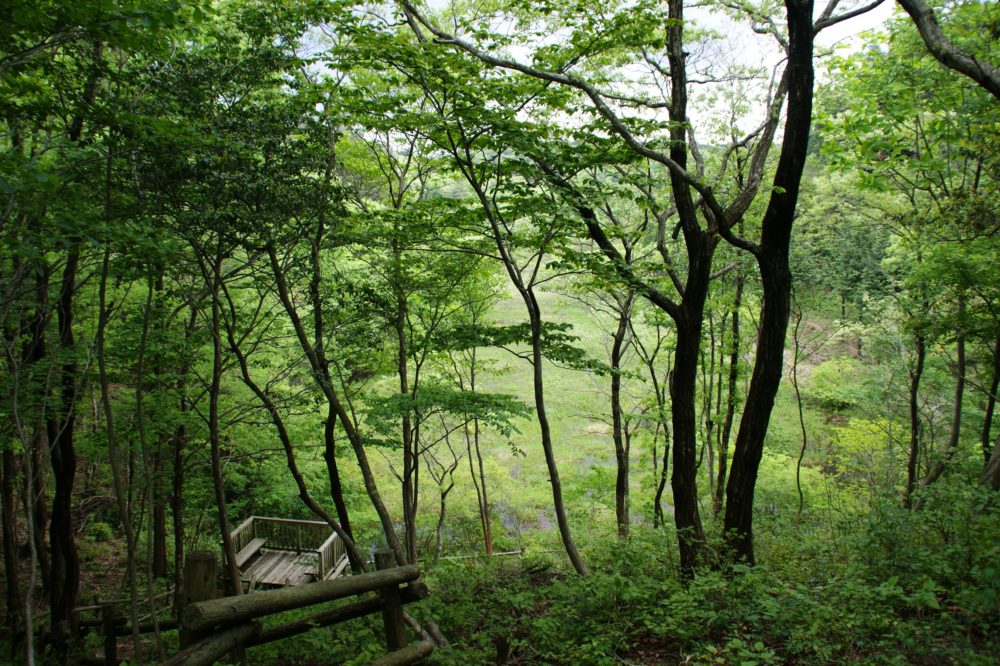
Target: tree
[{"x": 771, "y": 252}]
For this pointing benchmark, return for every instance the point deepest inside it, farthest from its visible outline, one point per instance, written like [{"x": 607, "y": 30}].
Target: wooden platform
[
  {"x": 281, "y": 567},
  {"x": 275, "y": 552}
]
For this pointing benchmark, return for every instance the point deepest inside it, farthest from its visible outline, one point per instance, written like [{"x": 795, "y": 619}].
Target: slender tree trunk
[
  {"x": 618, "y": 347},
  {"x": 177, "y": 477},
  {"x": 65, "y": 573},
  {"x": 916, "y": 374},
  {"x": 333, "y": 473},
  {"x": 535, "y": 321},
  {"x": 776, "y": 279},
  {"x": 473, "y": 450},
  {"x": 406, "y": 429},
  {"x": 802, "y": 418},
  {"x": 481, "y": 491},
  {"x": 36, "y": 485},
  {"x": 727, "y": 425},
  {"x": 661, "y": 485},
  {"x": 235, "y": 583},
  {"x": 12, "y": 576},
  {"x": 355, "y": 557},
  {"x": 991, "y": 402}
]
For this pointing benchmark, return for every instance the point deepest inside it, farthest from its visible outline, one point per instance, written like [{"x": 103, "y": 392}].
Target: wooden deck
[
  {"x": 275, "y": 552},
  {"x": 280, "y": 567}
]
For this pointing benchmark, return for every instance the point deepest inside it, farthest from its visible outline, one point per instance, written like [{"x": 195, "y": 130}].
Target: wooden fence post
[
  {"x": 200, "y": 571},
  {"x": 108, "y": 622},
  {"x": 392, "y": 606}
]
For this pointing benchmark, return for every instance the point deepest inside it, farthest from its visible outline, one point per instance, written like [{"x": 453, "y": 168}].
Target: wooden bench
[{"x": 248, "y": 551}]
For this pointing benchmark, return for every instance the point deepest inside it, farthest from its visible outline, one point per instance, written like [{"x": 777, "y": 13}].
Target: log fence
[{"x": 212, "y": 628}]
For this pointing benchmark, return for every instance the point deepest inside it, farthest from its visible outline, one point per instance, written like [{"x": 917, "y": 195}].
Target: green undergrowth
[
  {"x": 884, "y": 587},
  {"x": 905, "y": 594}
]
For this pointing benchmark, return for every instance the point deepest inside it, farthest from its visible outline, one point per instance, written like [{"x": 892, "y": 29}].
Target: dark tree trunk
[
  {"x": 776, "y": 280},
  {"x": 618, "y": 347},
  {"x": 12, "y": 578},
  {"x": 356, "y": 560},
  {"x": 64, "y": 579},
  {"x": 235, "y": 585},
  {"x": 321, "y": 369},
  {"x": 333, "y": 472},
  {"x": 727, "y": 424},
  {"x": 916, "y": 374},
  {"x": 991, "y": 402},
  {"x": 177, "y": 476},
  {"x": 683, "y": 480},
  {"x": 36, "y": 480}
]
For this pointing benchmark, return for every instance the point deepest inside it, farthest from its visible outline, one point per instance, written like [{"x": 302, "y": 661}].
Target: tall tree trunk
[
  {"x": 916, "y": 374},
  {"x": 727, "y": 424},
  {"x": 482, "y": 494},
  {"x": 64, "y": 579},
  {"x": 991, "y": 402},
  {"x": 234, "y": 583},
  {"x": 535, "y": 321},
  {"x": 776, "y": 279},
  {"x": 12, "y": 576},
  {"x": 177, "y": 476},
  {"x": 410, "y": 461},
  {"x": 355, "y": 557},
  {"x": 333, "y": 473},
  {"x": 618, "y": 347},
  {"x": 36, "y": 483},
  {"x": 683, "y": 480}
]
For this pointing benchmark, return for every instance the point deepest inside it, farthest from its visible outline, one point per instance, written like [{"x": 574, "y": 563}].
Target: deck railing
[
  {"x": 330, "y": 553},
  {"x": 243, "y": 534},
  {"x": 290, "y": 534}
]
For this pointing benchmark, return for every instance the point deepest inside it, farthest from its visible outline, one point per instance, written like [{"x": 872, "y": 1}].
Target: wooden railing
[
  {"x": 212, "y": 627},
  {"x": 243, "y": 534},
  {"x": 290, "y": 534},
  {"x": 330, "y": 554}
]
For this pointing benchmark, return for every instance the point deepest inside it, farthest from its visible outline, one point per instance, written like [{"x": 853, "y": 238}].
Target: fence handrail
[{"x": 231, "y": 610}]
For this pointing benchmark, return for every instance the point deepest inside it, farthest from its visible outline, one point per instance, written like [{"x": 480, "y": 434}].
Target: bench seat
[{"x": 248, "y": 551}]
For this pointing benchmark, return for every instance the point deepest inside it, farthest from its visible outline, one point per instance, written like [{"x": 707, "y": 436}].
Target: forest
[{"x": 642, "y": 331}]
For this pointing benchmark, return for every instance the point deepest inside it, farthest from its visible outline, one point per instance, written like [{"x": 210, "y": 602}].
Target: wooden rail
[{"x": 211, "y": 628}]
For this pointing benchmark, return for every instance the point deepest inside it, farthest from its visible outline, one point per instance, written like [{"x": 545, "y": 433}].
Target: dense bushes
[{"x": 899, "y": 587}]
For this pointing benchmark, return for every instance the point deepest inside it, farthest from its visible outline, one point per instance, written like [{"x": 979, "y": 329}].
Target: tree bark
[
  {"x": 64, "y": 579},
  {"x": 772, "y": 258},
  {"x": 727, "y": 424},
  {"x": 12, "y": 576},
  {"x": 618, "y": 347},
  {"x": 991, "y": 402},
  {"x": 916, "y": 374},
  {"x": 235, "y": 582}
]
